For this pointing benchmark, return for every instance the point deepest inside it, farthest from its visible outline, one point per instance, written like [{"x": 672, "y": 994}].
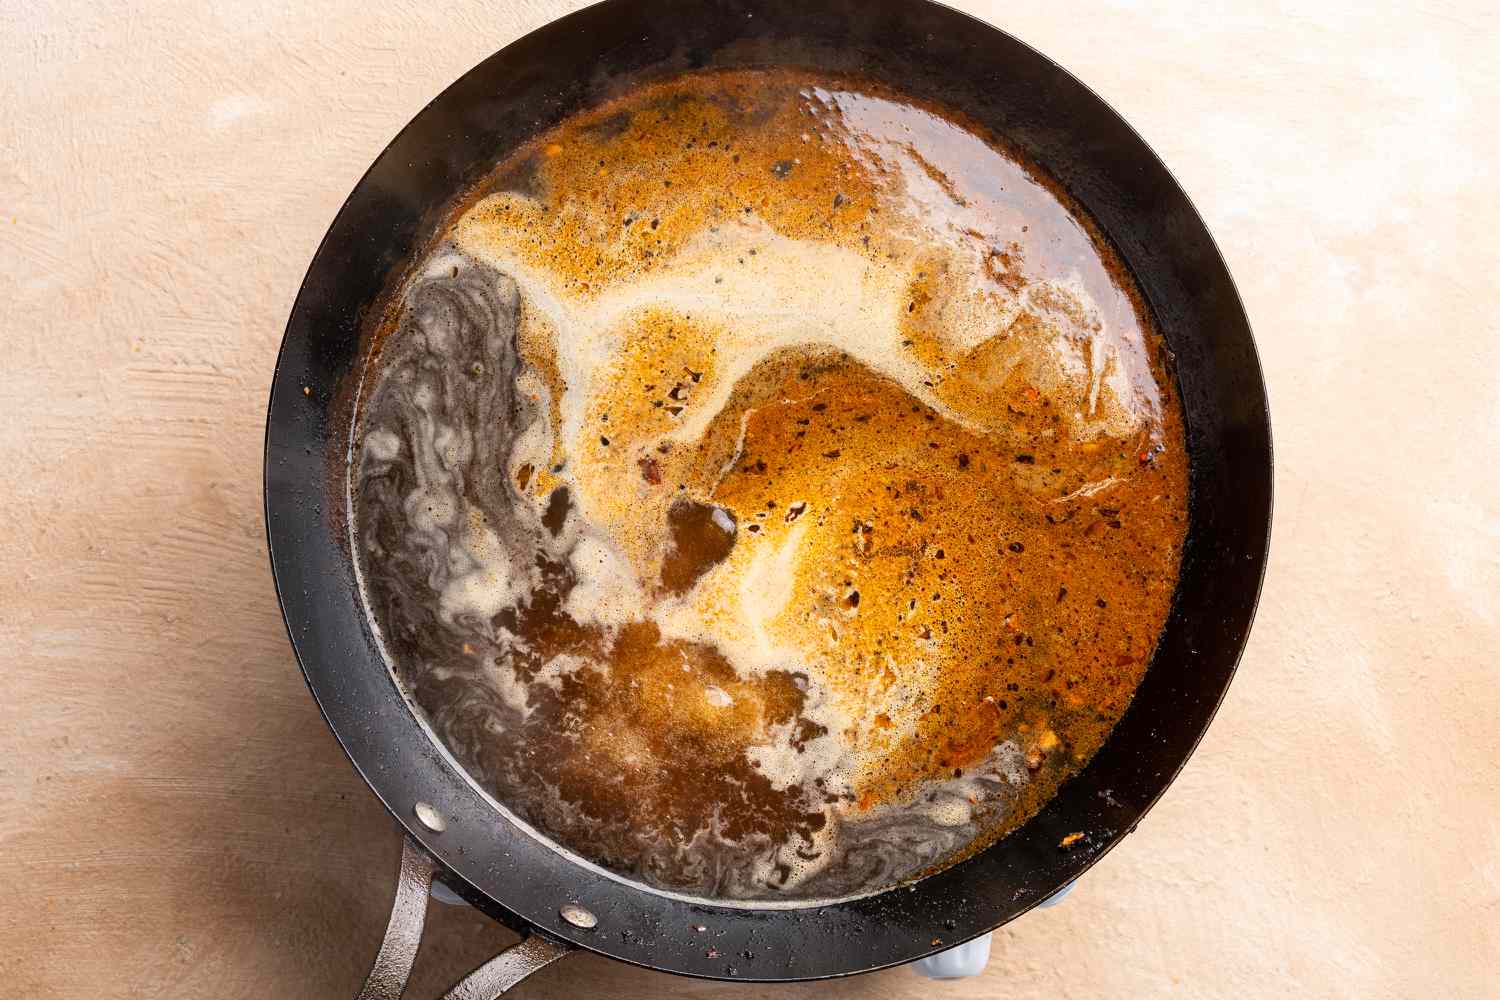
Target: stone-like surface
[{"x": 177, "y": 820}]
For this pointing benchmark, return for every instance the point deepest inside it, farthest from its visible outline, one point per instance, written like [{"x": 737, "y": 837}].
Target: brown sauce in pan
[{"x": 769, "y": 487}]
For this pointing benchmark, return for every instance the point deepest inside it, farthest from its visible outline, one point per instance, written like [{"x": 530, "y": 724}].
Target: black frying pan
[{"x": 929, "y": 52}]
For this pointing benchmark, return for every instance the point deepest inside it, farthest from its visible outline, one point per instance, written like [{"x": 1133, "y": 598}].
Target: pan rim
[{"x": 282, "y": 556}]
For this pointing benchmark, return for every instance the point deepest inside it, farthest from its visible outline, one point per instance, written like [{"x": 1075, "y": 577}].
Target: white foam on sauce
[
  {"x": 607, "y": 591},
  {"x": 482, "y": 581},
  {"x": 512, "y": 690},
  {"x": 564, "y": 665}
]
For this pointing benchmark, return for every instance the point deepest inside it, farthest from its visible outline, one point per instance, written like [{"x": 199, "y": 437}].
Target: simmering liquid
[{"x": 769, "y": 487}]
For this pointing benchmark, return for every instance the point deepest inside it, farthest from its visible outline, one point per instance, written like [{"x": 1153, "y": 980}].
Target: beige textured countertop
[{"x": 175, "y": 819}]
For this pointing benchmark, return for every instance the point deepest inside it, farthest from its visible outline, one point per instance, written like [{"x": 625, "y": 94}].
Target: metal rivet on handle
[
  {"x": 430, "y": 817},
  {"x": 578, "y": 916}
]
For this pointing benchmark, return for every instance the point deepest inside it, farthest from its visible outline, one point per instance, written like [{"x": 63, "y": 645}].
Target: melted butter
[{"x": 852, "y": 484}]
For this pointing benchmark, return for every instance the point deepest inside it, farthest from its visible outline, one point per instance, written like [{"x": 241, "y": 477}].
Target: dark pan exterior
[{"x": 931, "y": 52}]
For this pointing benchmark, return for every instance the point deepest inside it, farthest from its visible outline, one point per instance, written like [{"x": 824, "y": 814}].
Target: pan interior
[{"x": 769, "y": 486}]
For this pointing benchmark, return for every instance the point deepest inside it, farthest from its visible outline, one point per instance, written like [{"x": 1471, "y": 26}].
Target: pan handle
[{"x": 403, "y": 935}]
